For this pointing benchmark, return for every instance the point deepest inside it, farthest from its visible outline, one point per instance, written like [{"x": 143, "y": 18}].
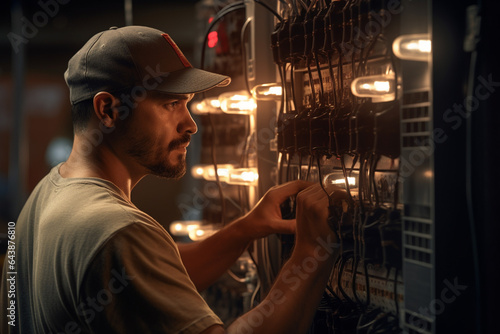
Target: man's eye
[{"x": 172, "y": 104}]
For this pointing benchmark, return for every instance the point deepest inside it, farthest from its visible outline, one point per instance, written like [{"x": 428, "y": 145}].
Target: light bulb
[
  {"x": 338, "y": 179},
  {"x": 413, "y": 47},
  {"x": 181, "y": 228},
  {"x": 267, "y": 92},
  {"x": 202, "y": 232},
  {"x": 207, "y": 172},
  {"x": 237, "y": 103},
  {"x": 227, "y": 173},
  {"x": 205, "y": 106},
  {"x": 243, "y": 176},
  {"x": 381, "y": 88}
]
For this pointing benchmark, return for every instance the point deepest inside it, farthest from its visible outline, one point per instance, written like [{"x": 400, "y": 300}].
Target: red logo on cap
[{"x": 178, "y": 51}]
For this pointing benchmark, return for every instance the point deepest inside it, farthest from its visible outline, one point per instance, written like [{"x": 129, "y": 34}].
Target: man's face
[{"x": 158, "y": 132}]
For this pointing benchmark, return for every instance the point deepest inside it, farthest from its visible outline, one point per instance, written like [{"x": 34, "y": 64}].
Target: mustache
[{"x": 179, "y": 142}]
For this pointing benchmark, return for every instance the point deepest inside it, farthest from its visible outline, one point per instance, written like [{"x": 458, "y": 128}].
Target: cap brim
[{"x": 190, "y": 81}]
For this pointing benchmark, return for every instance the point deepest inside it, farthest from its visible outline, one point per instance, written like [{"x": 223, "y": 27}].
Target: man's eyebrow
[{"x": 166, "y": 96}]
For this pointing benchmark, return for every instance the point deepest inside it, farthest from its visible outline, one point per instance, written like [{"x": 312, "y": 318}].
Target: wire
[
  {"x": 320, "y": 178},
  {"x": 243, "y": 53},
  {"x": 339, "y": 278},
  {"x": 266, "y": 6},
  {"x": 214, "y": 161},
  {"x": 396, "y": 302},
  {"x": 468, "y": 190},
  {"x": 254, "y": 294},
  {"x": 292, "y": 84},
  {"x": 236, "y": 278}
]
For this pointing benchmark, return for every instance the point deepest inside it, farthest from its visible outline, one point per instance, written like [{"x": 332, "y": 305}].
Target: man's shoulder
[{"x": 88, "y": 209}]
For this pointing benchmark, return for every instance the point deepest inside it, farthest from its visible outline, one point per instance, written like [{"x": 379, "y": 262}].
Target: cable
[
  {"x": 321, "y": 178},
  {"x": 236, "y": 278},
  {"x": 243, "y": 53},
  {"x": 339, "y": 278},
  {"x": 396, "y": 302},
  {"x": 469, "y": 191},
  {"x": 266, "y": 6},
  {"x": 217, "y": 180}
]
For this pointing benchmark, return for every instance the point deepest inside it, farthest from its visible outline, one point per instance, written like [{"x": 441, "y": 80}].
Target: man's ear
[{"x": 106, "y": 108}]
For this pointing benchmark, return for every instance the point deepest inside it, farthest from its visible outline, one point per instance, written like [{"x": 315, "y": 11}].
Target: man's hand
[
  {"x": 291, "y": 304},
  {"x": 312, "y": 215},
  {"x": 265, "y": 218}
]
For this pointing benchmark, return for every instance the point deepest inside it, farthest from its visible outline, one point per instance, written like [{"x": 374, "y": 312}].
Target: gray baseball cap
[{"x": 135, "y": 57}]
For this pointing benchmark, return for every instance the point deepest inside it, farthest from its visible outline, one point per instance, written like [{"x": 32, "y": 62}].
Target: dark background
[{"x": 45, "y": 95}]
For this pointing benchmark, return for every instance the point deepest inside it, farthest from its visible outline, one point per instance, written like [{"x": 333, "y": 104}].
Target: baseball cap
[{"x": 137, "y": 57}]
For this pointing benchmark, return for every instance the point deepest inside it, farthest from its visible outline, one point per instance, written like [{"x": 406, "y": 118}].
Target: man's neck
[{"x": 99, "y": 162}]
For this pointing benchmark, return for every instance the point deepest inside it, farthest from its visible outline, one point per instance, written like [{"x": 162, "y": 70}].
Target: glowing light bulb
[
  {"x": 237, "y": 103},
  {"x": 338, "y": 179},
  {"x": 202, "y": 232},
  {"x": 416, "y": 47},
  {"x": 381, "y": 88},
  {"x": 243, "y": 176},
  {"x": 227, "y": 173},
  {"x": 207, "y": 172},
  {"x": 267, "y": 92},
  {"x": 182, "y": 228},
  {"x": 205, "y": 106},
  {"x": 350, "y": 180}
]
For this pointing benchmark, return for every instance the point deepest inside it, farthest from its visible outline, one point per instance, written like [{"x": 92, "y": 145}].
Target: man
[{"x": 88, "y": 261}]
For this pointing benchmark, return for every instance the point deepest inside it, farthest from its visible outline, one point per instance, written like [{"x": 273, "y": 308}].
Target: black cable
[
  {"x": 330, "y": 289},
  {"x": 300, "y": 166},
  {"x": 321, "y": 178},
  {"x": 469, "y": 191},
  {"x": 375, "y": 190},
  {"x": 320, "y": 78},
  {"x": 355, "y": 263},
  {"x": 280, "y": 168},
  {"x": 217, "y": 180},
  {"x": 292, "y": 87},
  {"x": 332, "y": 79},
  {"x": 309, "y": 165},
  {"x": 243, "y": 53},
  {"x": 288, "y": 162},
  {"x": 339, "y": 278},
  {"x": 266, "y": 6},
  {"x": 311, "y": 83},
  {"x": 396, "y": 302},
  {"x": 367, "y": 281}
]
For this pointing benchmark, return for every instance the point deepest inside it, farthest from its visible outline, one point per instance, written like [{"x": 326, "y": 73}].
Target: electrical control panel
[{"x": 342, "y": 93}]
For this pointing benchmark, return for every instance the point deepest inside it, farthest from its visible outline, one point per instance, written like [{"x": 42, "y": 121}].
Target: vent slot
[
  {"x": 415, "y": 112},
  {"x": 417, "y": 240},
  {"x": 416, "y": 97},
  {"x": 417, "y": 324}
]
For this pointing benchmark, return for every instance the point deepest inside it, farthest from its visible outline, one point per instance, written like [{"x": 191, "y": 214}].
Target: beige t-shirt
[{"x": 89, "y": 261}]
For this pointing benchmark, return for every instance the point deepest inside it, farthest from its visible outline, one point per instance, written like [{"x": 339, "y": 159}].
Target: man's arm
[
  {"x": 291, "y": 303},
  {"x": 208, "y": 259}
]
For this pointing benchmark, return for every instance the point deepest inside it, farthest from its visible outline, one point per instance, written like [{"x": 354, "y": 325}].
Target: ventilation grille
[
  {"x": 416, "y": 324},
  {"x": 415, "y": 120},
  {"x": 417, "y": 240}
]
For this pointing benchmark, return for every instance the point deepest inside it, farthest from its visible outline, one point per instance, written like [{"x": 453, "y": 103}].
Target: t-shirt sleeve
[{"x": 138, "y": 284}]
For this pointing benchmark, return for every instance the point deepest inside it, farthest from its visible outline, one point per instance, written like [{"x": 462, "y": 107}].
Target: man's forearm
[
  {"x": 290, "y": 305},
  {"x": 208, "y": 259}
]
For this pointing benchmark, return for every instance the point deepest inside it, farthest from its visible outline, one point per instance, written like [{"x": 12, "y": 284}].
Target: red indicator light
[{"x": 212, "y": 39}]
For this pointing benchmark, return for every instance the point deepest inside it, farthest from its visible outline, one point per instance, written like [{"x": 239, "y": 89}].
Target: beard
[{"x": 151, "y": 155}]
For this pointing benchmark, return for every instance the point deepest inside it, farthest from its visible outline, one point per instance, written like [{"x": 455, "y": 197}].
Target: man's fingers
[
  {"x": 281, "y": 192},
  {"x": 285, "y": 226},
  {"x": 312, "y": 198}
]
